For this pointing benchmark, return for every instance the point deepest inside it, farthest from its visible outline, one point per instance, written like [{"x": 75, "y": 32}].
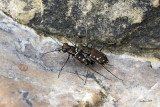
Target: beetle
[{"x": 79, "y": 55}]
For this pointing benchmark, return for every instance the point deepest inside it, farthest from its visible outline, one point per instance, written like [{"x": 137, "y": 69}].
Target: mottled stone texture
[
  {"x": 29, "y": 80},
  {"x": 123, "y": 26},
  {"x": 21, "y": 10}
]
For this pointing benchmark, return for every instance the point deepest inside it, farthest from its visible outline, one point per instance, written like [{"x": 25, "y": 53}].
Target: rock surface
[
  {"x": 124, "y": 26},
  {"x": 29, "y": 80},
  {"x": 22, "y": 10}
]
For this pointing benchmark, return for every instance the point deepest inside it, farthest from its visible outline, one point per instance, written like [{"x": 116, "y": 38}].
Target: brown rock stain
[{"x": 23, "y": 67}]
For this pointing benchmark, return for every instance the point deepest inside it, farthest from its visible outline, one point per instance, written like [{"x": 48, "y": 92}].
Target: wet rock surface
[
  {"x": 30, "y": 80},
  {"x": 124, "y": 26}
]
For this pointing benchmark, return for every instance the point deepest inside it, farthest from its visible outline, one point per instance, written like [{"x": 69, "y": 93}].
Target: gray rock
[
  {"x": 29, "y": 80},
  {"x": 123, "y": 26}
]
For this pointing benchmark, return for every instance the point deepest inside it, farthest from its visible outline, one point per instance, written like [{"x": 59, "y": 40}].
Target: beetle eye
[{"x": 64, "y": 50}]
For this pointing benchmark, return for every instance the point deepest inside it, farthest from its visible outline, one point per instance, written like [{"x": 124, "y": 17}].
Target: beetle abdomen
[{"x": 98, "y": 56}]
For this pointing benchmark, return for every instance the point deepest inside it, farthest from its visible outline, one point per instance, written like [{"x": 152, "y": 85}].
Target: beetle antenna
[
  {"x": 98, "y": 73},
  {"x": 112, "y": 73},
  {"x": 58, "y": 49}
]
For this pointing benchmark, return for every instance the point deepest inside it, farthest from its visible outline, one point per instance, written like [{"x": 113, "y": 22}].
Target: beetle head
[{"x": 65, "y": 47}]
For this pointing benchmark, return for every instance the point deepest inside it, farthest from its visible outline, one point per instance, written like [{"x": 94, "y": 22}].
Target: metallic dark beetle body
[
  {"x": 78, "y": 55},
  {"x": 98, "y": 56},
  {"x": 69, "y": 49},
  {"x": 94, "y": 54},
  {"x": 84, "y": 56}
]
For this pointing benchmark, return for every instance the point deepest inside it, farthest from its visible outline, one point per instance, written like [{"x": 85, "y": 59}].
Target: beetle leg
[
  {"x": 112, "y": 73},
  {"x": 109, "y": 64},
  {"x": 76, "y": 72},
  {"x": 63, "y": 66},
  {"x": 101, "y": 48},
  {"x": 98, "y": 73},
  {"x": 86, "y": 77}
]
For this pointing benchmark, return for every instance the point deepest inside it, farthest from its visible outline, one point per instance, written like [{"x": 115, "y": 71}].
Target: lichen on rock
[
  {"x": 122, "y": 26},
  {"x": 22, "y": 10},
  {"x": 39, "y": 85}
]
